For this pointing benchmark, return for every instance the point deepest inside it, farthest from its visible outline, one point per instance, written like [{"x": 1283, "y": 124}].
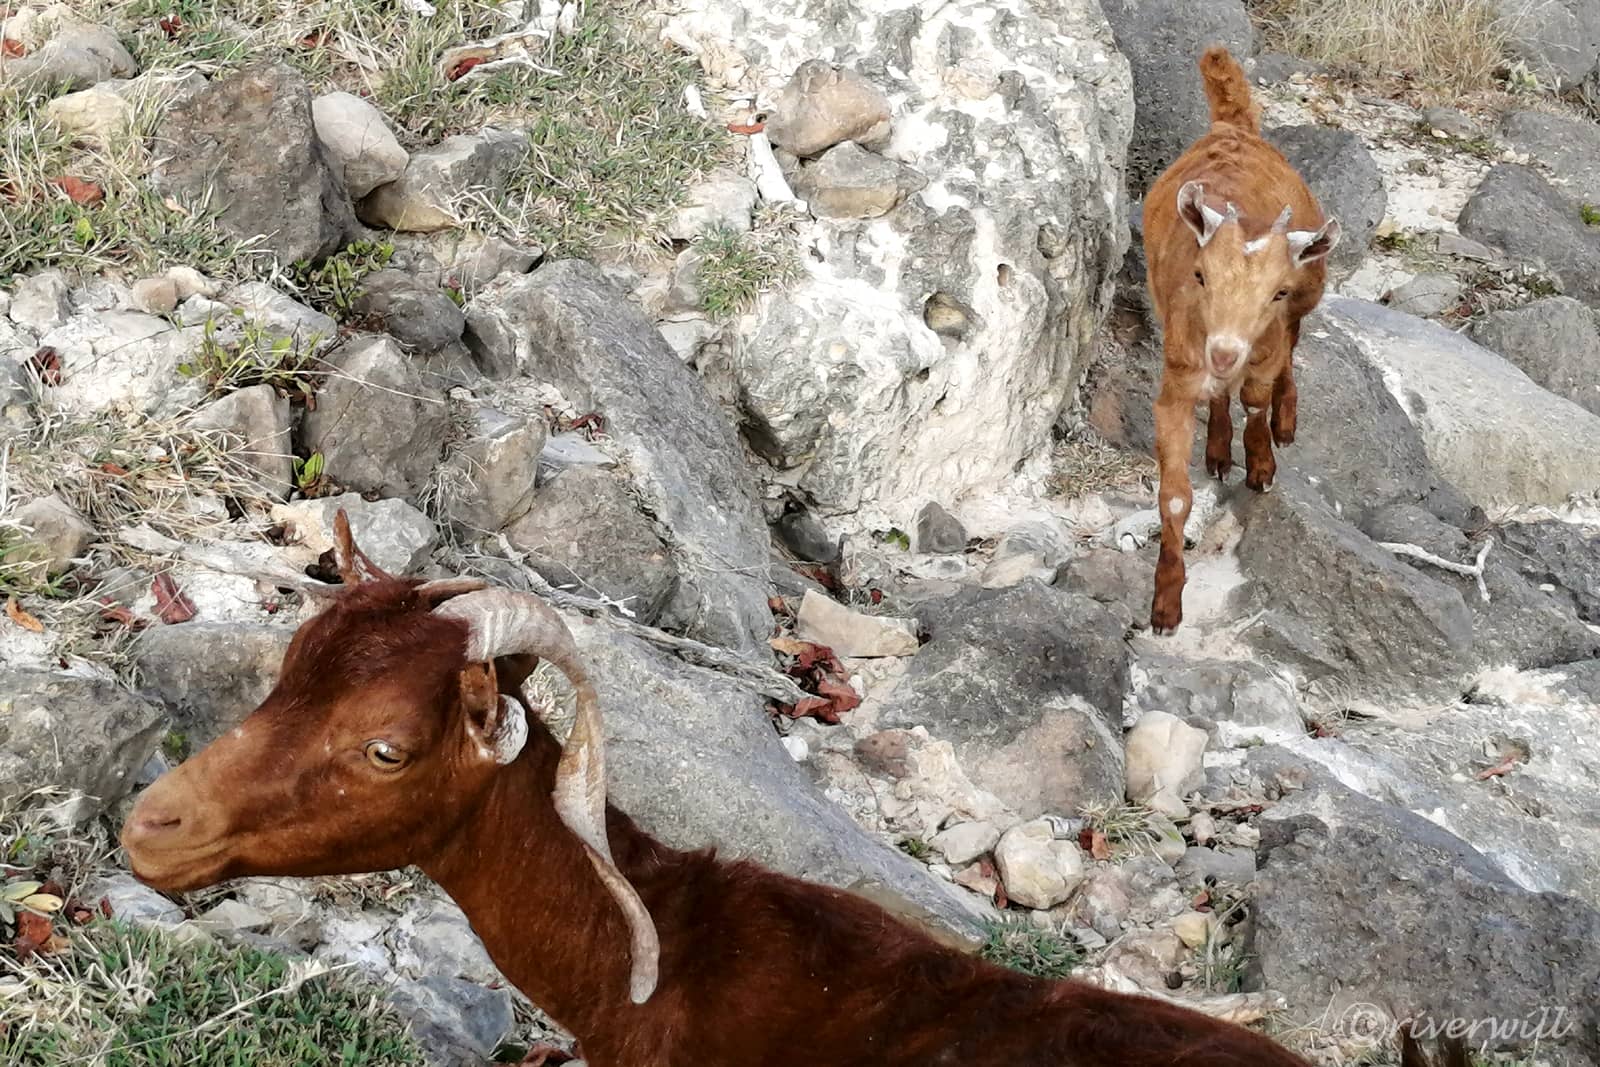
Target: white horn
[{"x": 505, "y": 623}]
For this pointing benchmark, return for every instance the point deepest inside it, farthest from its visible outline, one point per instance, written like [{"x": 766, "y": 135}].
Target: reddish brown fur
[
  {"x": 756, "y": 968},
  {"x": 1249, "y": 302}
]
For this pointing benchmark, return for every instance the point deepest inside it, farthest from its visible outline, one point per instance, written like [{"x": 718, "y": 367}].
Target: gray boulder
[
  {"x": 1027, "y": 684},
  {"x": 1335, "y": 604},
  {"x": 1237, "y": 703},
  {"x": 1567, "y": 144},
  {"x": 458, "y": 1023},
  {"x": 254, "y": 425},
  {"x": 76, "y": 57},
  {"x": 1558, "y": 39},
  {"x": 419, "y": 316},
  {"x": 78, "y": 734},
  {"x": 1360, "y": 902},
  {"x": 1489, "y": 428},
  {"x": 489, "y": 479},
  {"x": 209, "y": 675},
  {"x": 1520, "y": 626},
  {"x": 849, "y": 182},
  {"x": 361, "y": 148},
  {"x": 379, "y": 426},
  {"x": 422, "y": 199},
  {"x": 1345, "y": 180},
  {"x": 1554, "y": 341},
  {"x": 392, "y": 533},
  {"x": 567, "y": 325},
  {"x": 1560, "y": 554},
  {"x": 584, "y": 532},
  {"x": 53, "y": 535},
  {"x": 1163, "y": 40},
  {"x": 823, "y": 105},
  {"x": 278, "y": 187},
  {"x": 1517, "y": 211},
  {"x": 693, "y": 758}
]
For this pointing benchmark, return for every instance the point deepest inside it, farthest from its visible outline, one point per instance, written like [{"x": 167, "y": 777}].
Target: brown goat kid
[
  {"x": 397, "y": 734},
  {"x": 1231, "y": 281}
]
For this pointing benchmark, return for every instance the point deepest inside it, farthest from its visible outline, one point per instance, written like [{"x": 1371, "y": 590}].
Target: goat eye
[
  {"x": 383, "y": 755},
  {"x": 1201, "y": 278},
  {"x": 1281, "y": 294}
]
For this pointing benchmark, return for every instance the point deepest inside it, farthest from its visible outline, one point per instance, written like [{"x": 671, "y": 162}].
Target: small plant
[
  {"x": 175, "y": 746},
  {"x": 332, "y": 287},
  {"x": 1590, "y": 215},
  {"x": 1024, "y": 947},
  {"x": 915, "y": 847},
  {"x": 896, "y": 537},
  {"x": 256, "y": 358},
  {"x": 308, "y": 474},
  {"x": 735, "y": 268}
]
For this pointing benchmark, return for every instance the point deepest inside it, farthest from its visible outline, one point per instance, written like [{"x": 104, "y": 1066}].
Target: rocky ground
[{"x": 802, "y": 355}]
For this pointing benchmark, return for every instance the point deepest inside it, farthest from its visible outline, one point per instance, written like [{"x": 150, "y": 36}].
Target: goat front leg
[
  {"x": 1285, "y": 400},
  {"x": 1174, "y": 440},
  {"x": 1285, "y": 404},
  {"x": 1260, "y": 468},
  {"x": 1219, "y": 437}
]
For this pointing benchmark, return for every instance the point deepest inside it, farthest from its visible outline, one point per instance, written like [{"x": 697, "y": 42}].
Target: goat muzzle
[{"x": 501, "y": 622}]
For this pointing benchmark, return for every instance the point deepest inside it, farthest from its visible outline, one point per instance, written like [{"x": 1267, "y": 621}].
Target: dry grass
[
  {"x": 1447, "y": 44},
  {"x": 117, "y": 471},
  {"x": 1084, "y": 464}
]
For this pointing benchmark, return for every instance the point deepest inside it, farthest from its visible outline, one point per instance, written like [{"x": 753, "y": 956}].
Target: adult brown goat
[
  {"x": 1230, "y": 288},
  {"x": 397, "y": 735}
]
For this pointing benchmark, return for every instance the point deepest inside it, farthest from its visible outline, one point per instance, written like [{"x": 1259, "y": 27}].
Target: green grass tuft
[
  {"x": 1024, "y": 947},
  {"x": 1590, "y": 215},
  {"x": 735, "y": 268},
  {"x": 138, "y": 998}
]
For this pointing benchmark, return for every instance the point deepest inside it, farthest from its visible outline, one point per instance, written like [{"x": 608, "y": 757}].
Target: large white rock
[
  {"x": 1038, "y": 871},
  {"x": 362, "y": 149},
  {"x": 926, "y": 354},
  {"x": 123, "y": 360},
  {"x": 1489, "y": 428},
  {"x": 1164, "y": 761}
]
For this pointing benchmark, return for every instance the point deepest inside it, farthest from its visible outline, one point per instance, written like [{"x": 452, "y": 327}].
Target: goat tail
[{"x": 1228, "y": 91}]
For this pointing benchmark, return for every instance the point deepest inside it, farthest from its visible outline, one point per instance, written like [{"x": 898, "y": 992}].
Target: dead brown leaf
[
  {"x": 16, "y": 614},
  {"x": 79, "y": 190},
  {"x": 12, "y": 49},
  {"x": 171, "y": 604}
]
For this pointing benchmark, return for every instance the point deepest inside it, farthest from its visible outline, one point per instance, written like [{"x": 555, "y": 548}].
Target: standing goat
[
  {"x": 1230, "y": 288},
  {"x": 397, "y": 734}
]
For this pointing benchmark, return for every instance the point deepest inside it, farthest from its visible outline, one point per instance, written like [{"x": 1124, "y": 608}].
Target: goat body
[
  {"x": 1230, "y": 281},
  {"x": 397, "y": 735}
]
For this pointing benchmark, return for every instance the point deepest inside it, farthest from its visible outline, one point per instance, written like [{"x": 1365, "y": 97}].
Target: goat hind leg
[
  {"x": 1219, "y": 438},
  {"x": 1260, "y": 467},
  {"x": 1174, "y": 439}
]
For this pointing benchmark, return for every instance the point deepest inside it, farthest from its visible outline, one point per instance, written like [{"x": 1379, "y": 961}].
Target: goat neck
[{"x": 542, "y": 913}]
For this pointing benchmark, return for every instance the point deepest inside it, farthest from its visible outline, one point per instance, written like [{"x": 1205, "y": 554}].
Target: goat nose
[
  {"x": 153, "y": 823},
  {"x": 1224, "y": 352}
]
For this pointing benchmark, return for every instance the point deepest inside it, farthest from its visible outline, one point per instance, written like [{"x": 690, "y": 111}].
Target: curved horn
[
  {"x": 1282, "y": 225},
  {"x": 505, "y": 623}
]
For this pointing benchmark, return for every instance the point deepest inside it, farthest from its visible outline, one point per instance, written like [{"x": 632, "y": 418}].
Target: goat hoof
[
  {"x": 1219, "y": 470},
  {"x": 1164, "y": 623},
  {"x": 1282, "y": 437}
]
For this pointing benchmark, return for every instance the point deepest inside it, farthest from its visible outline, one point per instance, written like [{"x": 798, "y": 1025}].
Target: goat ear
[
  {"x": 1200, "y": 216},
  {"x": 354, "y": 564},
  {"x": 1308, "y": 246},
  {"x": 495, "y": 723}
]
